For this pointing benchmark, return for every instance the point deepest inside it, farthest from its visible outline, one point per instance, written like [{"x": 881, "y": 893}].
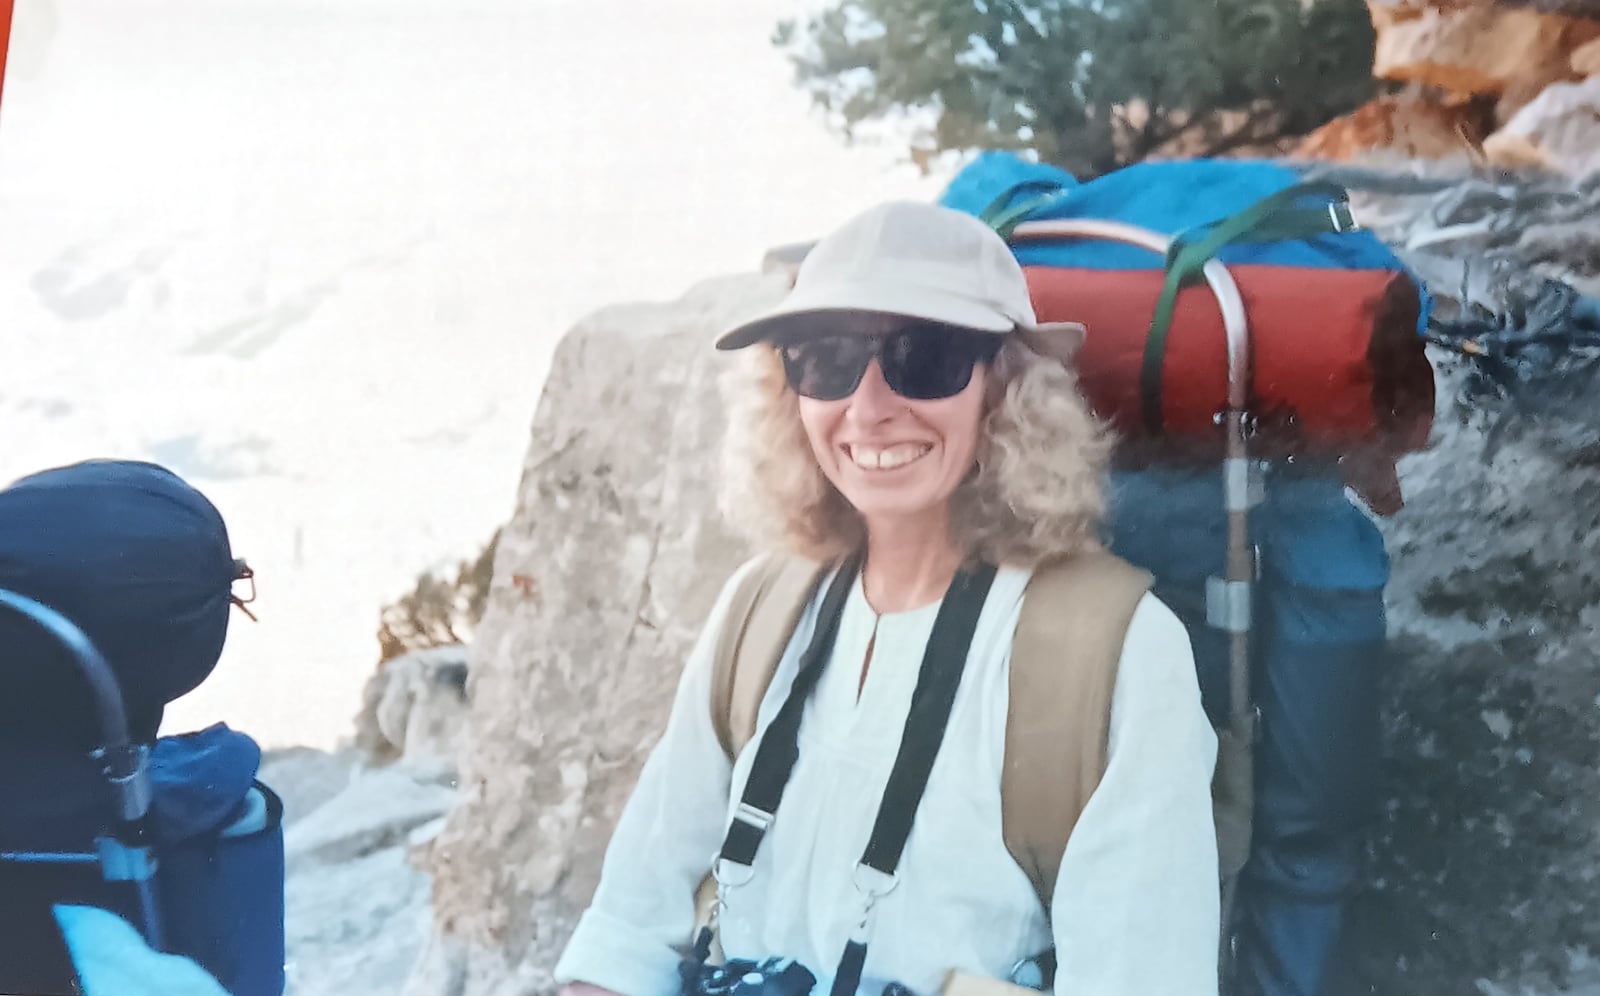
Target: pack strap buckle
[{"x": 1343, "y": 221}]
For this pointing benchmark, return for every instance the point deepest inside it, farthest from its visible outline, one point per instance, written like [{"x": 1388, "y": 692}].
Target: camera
[{"x": 742, "y": 977}]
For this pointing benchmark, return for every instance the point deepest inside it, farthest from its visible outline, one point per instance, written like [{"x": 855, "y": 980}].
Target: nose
[{"x": 874, "y": 400}]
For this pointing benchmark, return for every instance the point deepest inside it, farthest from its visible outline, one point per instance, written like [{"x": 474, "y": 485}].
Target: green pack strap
[
  {"x": 1005, "y": 212},
  {"x": 1279, "y": 217}
]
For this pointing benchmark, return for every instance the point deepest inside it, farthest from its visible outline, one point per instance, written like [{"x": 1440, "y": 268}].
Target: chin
[{"x": 892, "y": 507}]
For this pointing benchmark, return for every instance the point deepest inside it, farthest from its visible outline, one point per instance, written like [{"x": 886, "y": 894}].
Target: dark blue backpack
[{"x": 115, "y": 592}]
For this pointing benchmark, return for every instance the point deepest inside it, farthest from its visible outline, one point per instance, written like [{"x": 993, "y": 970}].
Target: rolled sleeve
[{"x": 613, "y": 953}]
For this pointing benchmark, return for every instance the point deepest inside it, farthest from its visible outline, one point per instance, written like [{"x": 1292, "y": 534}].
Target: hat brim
[
  {"x": 803, "y": 315},
  {"x": 1057, "y": 340}
]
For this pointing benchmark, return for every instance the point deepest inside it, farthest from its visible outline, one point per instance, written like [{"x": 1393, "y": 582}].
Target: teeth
[{"x": 888, "y": 458}]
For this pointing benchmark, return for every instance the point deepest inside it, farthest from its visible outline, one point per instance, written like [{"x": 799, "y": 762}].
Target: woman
[{"x": 894, "y": 417}]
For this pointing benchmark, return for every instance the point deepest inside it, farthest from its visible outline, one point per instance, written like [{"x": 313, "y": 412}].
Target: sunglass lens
[
  {"x": 828, "y": 368},
  {"x": 929, "y": 364}
]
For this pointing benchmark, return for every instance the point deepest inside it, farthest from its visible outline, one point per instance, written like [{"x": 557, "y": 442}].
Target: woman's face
[{"x": 895, "y": 459}]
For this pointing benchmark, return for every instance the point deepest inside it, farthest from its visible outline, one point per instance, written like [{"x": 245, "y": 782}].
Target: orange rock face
[
  {"x": 1475, "y": 47},
  {"x": 1409, "y": 126}
]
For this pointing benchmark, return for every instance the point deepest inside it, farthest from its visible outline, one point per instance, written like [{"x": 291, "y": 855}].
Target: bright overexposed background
[{"x": 315, "y": 254}]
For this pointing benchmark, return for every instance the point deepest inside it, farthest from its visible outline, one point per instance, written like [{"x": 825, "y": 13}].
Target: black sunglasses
[{"x": 921, "y": 363}]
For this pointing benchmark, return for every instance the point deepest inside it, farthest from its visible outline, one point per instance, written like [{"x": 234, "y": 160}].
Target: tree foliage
[
  {"x": 439, "y": 610},
  {"x": 1088, "y": 84}
]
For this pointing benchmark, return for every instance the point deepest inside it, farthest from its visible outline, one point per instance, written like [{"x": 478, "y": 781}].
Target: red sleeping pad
[{"x": 1337, "y": 365}]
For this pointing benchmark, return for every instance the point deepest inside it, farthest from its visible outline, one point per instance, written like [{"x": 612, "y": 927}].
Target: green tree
[{"x": 1088, "y": 84}]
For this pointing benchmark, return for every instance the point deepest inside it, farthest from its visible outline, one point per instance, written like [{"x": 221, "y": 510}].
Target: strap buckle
[
  {"x": 752, "y": 816},
  {"x": 120, "y": 862},
  {"x": 1343, "y": 220}
]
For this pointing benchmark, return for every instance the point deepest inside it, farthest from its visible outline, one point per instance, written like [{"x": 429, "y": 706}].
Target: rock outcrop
[
  {"x": 610, "y": 562},
  {"x": 356, "y": 904},
  {"x": 1475, "y": 47},
  {"x": 1483, "y": 855},
  {"x": 1408, "y": 126},
  {"x": 1485, "y": 850},
  {"x": 415, "y": 707},
  {"x": 1559, "y": 130},
  {"x": 359, "y": 823},
  {"x": 1472, "y": 67}
]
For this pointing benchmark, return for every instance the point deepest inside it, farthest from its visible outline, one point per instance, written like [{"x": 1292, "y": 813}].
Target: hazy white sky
[{"x": 315, "y": 254}]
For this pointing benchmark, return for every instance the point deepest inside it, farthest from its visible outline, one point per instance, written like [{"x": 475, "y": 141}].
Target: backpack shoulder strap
[
  {"x": 762, "y": 615},
  {"x": 1064, "y": 658}
]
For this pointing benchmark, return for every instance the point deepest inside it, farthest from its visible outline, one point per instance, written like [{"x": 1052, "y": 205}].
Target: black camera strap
[{"x": 942, "y": 664}]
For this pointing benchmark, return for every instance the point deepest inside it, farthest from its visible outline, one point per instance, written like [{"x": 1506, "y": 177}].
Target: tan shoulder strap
[
  {"x": 1064, "y": 658},
  {"x": 765, "y": 608},
  {"x": 762, "y": 613}
]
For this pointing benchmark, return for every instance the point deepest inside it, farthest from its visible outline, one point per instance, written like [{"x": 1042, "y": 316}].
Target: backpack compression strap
[{"x": 1279, "y": 217}]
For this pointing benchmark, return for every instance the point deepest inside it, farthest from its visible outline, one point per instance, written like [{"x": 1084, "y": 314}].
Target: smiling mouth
[{"x": 887, "y": 457}]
